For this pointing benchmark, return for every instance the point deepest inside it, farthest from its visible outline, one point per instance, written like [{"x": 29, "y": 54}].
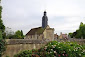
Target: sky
[{"x": 63, "y": 15}]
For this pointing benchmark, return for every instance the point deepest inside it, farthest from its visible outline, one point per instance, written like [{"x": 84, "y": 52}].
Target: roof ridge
[{"x": 36, "y": 27}]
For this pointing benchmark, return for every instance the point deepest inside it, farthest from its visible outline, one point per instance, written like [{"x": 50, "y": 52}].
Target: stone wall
[
  {"x": 79, "y": 41},
  {"x": 14, "y": 46}
]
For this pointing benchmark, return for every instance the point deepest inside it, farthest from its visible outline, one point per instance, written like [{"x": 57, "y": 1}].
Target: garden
[{"x": 55, "y": 49}]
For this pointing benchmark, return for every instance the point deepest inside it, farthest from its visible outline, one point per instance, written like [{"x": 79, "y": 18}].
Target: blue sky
[{"x": 63, "y": 15}]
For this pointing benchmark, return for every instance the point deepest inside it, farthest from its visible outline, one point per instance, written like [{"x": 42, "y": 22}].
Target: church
[{"x": 41, "y": 33}]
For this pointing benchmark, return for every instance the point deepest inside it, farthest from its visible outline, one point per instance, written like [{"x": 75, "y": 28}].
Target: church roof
[{"x": 34, "y": 31}]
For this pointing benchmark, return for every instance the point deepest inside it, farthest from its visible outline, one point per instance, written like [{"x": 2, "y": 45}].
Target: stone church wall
[
  {"x": 49, "y": 34},
  {"x": 34, "y": 37}
]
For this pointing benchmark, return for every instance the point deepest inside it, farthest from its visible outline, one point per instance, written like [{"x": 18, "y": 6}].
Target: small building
[
  {"x": 63, "y": 36},
  {"x": 41, "y": 33},
  {"x": 55, "y": 36}
]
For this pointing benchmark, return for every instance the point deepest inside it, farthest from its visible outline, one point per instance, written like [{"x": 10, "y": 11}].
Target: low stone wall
[
  {"x": 80, "y": 41},
  {"x": 14, "y": 46}
]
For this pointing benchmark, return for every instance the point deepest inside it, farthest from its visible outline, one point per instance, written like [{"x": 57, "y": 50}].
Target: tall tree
[
  {"x": 2, "y": 41},
  {"x": 79, "y": 33},
  {"x": 81, "y": 24},
  {"x": 22, "y": 34},
  {"x": 0, "y": 34},
  {"x": 2, "y": 27},
  {"x": 19, "y": 34}
]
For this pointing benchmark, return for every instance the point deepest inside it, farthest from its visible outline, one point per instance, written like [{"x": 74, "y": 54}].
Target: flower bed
[{"x": 56, "y": 49}]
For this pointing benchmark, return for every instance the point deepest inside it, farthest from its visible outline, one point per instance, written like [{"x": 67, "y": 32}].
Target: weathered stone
[{"x": 14, "y": 46}]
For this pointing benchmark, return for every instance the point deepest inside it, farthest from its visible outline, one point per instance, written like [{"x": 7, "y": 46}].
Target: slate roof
[{"x": 38, "y": 30}]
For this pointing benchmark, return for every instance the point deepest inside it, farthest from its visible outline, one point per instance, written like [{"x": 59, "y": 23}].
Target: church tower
[{"x": 44, "y": 20}]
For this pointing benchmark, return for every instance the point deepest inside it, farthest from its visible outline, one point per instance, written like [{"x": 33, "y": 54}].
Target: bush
[
  {"x": 56, "y": 49},
  {"x": 7, "y": 56},
  {"x": 2, "y": 46},
  {"x": 26, "y": 53},
  {"x": 63, "y": 49}
]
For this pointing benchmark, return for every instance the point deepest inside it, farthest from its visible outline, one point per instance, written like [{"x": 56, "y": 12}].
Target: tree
[
  {"x": 82, "y": 29},
  {"x": 19, "y": 34},
  {"x": 2, "y": 46},
  {"x": 22, "y": 34},
  {"x": 9, "y": 33},
  {"x": 70, "y": 34},
  {"x": 2, "y": 28},
  {"x": 0, "y": 34},
  {"x": 79, "y": 33},
  {"x": 81, "y": 24}
]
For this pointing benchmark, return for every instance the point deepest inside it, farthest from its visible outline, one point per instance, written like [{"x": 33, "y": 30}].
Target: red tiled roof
[{"x": 64, "y": 35}]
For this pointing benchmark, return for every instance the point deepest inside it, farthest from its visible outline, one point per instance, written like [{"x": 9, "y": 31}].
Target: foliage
[
  {"x": 70, "y": 34},
  {"x": 63, "y": 49},
  {"x": 22, "y": 34},
  {"x": 2, "y": 46},
  {"x": 2, "y": 27},
  {"x": 26, "y": 53},
  {"x": 10, "y": 36},
  {"x": 0, "y": 34},
  {"x": 19, "y": 34},
  {"x": 79, "y": 33},
  {"x": 58, "y": 49},
  {"x": 7, "y": 56}
]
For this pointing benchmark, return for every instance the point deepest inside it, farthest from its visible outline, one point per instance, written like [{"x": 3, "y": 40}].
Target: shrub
[
  {"x": 26, "y": 53},
  {"x": 64, "y": 49},
  {"x": 2, "y": 46},
  {"x": 7, "y": 56},
  {"x": 56, "y": 49}
]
